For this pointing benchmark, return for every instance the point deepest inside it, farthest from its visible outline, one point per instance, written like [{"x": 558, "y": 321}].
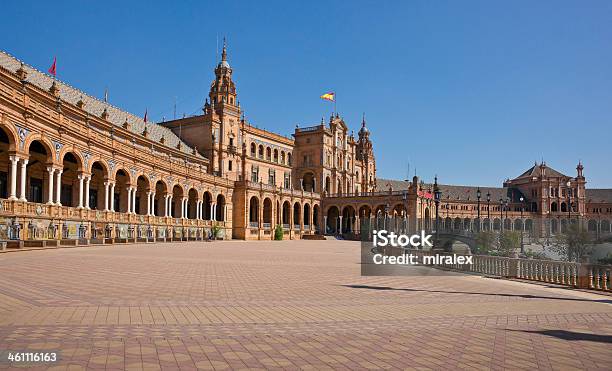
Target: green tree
[
  {"x": 278, "y": 232},
  {"x": 215, "y": 230},
  {"x": 508, "y": 242},
  {"x": 485, "y": 242},
  {"x": 573, "y": 244}
]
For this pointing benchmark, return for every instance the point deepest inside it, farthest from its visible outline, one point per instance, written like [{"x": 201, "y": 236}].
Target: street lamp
[
  {"x": 437, "y": 197},
  {"x": 569, "y": 202},
  {"x": 489, "y": 210},
  {"x": 478, "y": 194},
  {"x": 501, "y": 214},
  {"x": 522, "y": 199}
]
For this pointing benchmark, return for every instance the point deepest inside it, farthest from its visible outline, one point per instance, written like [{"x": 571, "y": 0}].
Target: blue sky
[{"x": 474, "y": 91}]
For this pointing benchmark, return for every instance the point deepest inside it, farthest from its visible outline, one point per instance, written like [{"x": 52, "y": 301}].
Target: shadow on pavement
[
  {"x": 525, "y": 296},
  {"x": 570, "y": 335}
]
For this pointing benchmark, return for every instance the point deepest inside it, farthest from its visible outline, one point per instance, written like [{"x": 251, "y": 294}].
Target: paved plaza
[{"x": 284, "y": 305}]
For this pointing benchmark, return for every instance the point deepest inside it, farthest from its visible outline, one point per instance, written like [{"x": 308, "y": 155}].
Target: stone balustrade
[{"x": 579, "y": 275}]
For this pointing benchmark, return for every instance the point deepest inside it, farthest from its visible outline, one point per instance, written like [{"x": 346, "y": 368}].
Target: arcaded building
[{"x": 75, "y": 169}]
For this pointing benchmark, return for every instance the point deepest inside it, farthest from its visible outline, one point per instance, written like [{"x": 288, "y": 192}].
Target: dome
[
  {"x": 364, "y": 130},
  {"x": 224, "y": 64}
]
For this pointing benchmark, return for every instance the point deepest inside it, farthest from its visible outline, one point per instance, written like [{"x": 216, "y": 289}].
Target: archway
[
  {"x": 296, "y": 215},
  {"x": 327, "y": 185},
  {"x": 120, "y": 197},
  {"x": 192, "y": 204},
  {"x": 206, "y": 206},
  {"x": 308, "y": 182},
  {"x": 220, "y": 208},
  {"x": 553, "y": 207},
  {"x": 69, "y": 179},
  {"x": 254, "y": 211},
  {"x": 97, "y": 187},
  {"x": 267, "y": 213},
  {"x": 306, "y": 216},
  {"x": 37, "y": 179},
  {"x": 5, "y": 171},
  {"x": 142, "y": 189},
  {"x": 348, "y": 219},
  {"x": 161, "y": 191},
  {"x": 177, "y": 201},
  {"x": 286, "y": 214},
  {"x": 333, "y": 217}
]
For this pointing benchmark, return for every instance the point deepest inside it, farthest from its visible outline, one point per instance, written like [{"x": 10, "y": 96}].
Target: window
[
  {"x": 229, "y": 166},
  {"x": 287, "y": 180},
  {"x": 231, "y": 142},
  {"x": 271, "y": 177},
  {"x": 255, "y": 174}
]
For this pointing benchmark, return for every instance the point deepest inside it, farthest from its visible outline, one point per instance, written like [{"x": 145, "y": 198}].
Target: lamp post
[
  {"x": 522, "y": 199},
  {"x": 501, "y": 214},
  {"x": 437, "y": 197},
  {"x": 569, "y": 202},
  {"x": 478, "y": 194},
  {"x": 489, "y": 210}
]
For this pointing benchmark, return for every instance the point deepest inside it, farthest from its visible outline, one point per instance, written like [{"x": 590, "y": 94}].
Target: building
[{"x": 75, "y": 169}]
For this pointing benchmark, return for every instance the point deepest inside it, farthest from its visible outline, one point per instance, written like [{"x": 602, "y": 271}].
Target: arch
[
  {"x": 333, "y": 218},
  {"x": 268, "y": 154},
  {"x": 37, "y": 179},
  {"x": 308, "y": 182},
  {"x": 554, "y": 207},
  {"x": 261, "y": 151},
  {"x": 528, "y": 225},
  {"x": 120, "y": 196},
  {"x": 315, "y": 215},
  {"x": 365, "y": 211},
  {"x": 507, "y": 224},
  {"x": 9, "y": 135},
  {"x": 486, "y": 224},
  {"x": 605, "y": 226},
  {"x": 448, "y": 223},
  {"x": 207, "y": 206},
  {"x": 45, "y": 143},
  {"x": 496, "y": 224},
  {"x": 289, "y": 158},
  {"x": 192, "y": 203},
  {"x": 159, "y": 204},
  {"x": 286, "y": 215},
  {"x": 467, "y": 224},
  {"x": 7, "y": 144},
  {"x": 399, "y": 210},
  {"x": 518, "y": 225},
  {"x": 253, "y": 149},
  {"x": 143, "y": 186},
  {"x": 220, "y": 208},
  {"x": 267, "y": 213},
  {"x": 297, "y": 215},
  {"x": 592, "y": 225},
  {"x": 275, "y": 158},
  {"x": 348, "y": 219},
  {"x": 282, "y": 157},
  {"x": 254, "y": 211},
  {"x": 457, "y": 224},
  {"x": 327, "y": 185},
  {"x": 177, "y": 200},
  {"x": 306, "y": 214},
  {"x": 563, "y": 207}
]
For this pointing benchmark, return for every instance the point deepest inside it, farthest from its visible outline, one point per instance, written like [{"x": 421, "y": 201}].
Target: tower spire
[{"x": 224, "y": 52}]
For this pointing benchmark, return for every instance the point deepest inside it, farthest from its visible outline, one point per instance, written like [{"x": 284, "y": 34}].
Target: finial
[
  {"x": 224, "y": 52},
  {"x": 363, "y": 123}
]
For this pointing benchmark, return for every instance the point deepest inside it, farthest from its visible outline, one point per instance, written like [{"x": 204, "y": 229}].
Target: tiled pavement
[{"x": 284, "y": 305}]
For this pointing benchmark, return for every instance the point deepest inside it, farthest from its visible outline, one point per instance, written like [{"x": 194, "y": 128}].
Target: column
[
  {"x": 149, "y": 203},
  {"x": 112, "y": 197},
  {"x": 87, "y": 181},
  {"x": 51, "y": 170},
  {"x": 324, "y": 224},
  {"x": 340, "y": 229},
  {"x": 170, "y": 197},
  {"x": 13, "y": 194},
  {"x": 198, "y": 209},
  {"x": 129, "y": 199},
  {"x": 134, "y": 211},
  {"x": 80, "y": 191},
  {"x": 106, "y": 187},
  {"x": 214, "y": 212},
  {"x": 183, "y": 211},
  {"x": 152, "y": 204},
  {"x": 24, "y": 163},
  {"x": 58, "y": 187}
]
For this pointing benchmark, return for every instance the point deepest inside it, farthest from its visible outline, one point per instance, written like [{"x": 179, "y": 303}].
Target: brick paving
[{"x": 284, "y": 305}]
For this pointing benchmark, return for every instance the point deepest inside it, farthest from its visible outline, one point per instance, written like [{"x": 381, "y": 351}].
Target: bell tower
[
  {"x": 365, "y": 153},
  {"x": 222, "y": 110}
]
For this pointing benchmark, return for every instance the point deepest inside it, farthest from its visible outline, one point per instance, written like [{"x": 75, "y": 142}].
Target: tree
[
  {"x": 278, "y": 232},
  {"x": 573, "y": 244},
  {"x": 485, "y": 242},
  {"x": 215, "y": 231},
  {"x": 508, "y": 242}
]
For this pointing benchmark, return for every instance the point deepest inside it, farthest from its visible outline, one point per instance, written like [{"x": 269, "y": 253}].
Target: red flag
[
  {"x": 53, "y": 68},
  {"x": 145, "y": 117}
]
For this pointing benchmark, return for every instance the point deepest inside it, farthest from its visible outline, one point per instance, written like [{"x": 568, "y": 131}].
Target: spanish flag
[{"x": 329, "y": 96}]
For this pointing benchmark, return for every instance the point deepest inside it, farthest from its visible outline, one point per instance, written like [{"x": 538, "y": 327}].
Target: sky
[{"x": 473, "y": 91}]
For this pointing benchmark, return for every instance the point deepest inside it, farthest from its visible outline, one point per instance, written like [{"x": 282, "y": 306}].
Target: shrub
[{"x": 278, "y": 232}]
